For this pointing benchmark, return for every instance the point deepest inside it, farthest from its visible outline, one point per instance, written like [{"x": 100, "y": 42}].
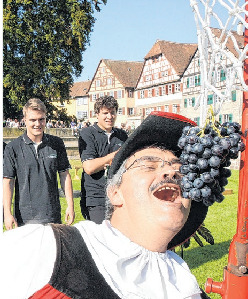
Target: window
[
  {"x": 92, "y": 113},
  {"x": 149, "y": 93},
  {"x": 103, "y": 69},
  {"x": 109, "y": 81},
  {"x": 119, "y": 94},
  {"x": 130, "y": 93},
  {"x": 175, "y": 108},
  {"x": 166, "y": 108},
  {"x": 216, "y": 98},
  {"x": 131, "y": 111},
  {"x": 93, "y": 96},
  {"x": 119, "y": 112},
  {"x": 111, "y": 93},
  {"x": 155, "y": 76},
  {"x": 234, "y": 95},
  {"x": 82, "y": 114},
  {"x": 148, "y": 78},
  {"x": 222, "y": 75},
  {"x": 227, "y": 118},
  {"x": 190, "y": 102},
  {"x": 149, "y": 110},
  {"x": 169, "y": 88},
  {"x": 82, "y": 101},
  {"x": 164, "y": 74},
  {"x": 101, "y": 94},
  {"x": 192, "y": 81},
  {"x": 177, "y": 87},
  {"x": 159, "y": 108},
  {"x": 163, "y": 90},
  {"x": 218, "y": 76},
  {"x": 157, "y": 91},
  {"x": 228, "y": 73},
  {"x": 142, "y": 94},
  {"x": 98, "y": 83}
]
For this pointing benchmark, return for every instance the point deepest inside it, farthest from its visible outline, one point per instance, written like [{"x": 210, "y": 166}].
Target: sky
[{"x": 127, "y": 30}]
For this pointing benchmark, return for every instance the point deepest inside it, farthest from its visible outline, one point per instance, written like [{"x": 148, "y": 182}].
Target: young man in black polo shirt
[
  {"x": 98, "y": 145},
  {"x": 31, "y": 164}
]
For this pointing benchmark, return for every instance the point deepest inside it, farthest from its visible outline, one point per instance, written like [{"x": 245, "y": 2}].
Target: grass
[{"x": 207, "y": 261}]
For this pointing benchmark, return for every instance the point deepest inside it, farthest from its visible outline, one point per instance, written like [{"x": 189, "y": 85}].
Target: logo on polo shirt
[{"x": 53, "y": 156}]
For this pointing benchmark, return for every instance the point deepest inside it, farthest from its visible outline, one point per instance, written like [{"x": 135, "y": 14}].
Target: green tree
[{"x": 43, "y": 43}]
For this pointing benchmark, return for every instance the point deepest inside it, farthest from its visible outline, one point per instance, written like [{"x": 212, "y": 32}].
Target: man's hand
[
  {"x": 69, "y": 215},
  {"x": 9, "y": 221}
]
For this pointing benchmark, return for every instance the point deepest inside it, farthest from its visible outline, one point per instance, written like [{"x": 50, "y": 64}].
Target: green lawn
[{"x": 207, "y": 261}]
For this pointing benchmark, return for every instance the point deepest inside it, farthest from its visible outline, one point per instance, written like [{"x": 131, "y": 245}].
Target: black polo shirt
[
  {"x": 95, "y": 143},
  {"x": 36, "y": 186}
]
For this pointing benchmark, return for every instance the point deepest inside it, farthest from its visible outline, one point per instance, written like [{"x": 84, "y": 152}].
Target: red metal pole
[{"x": 235, "y": 282}]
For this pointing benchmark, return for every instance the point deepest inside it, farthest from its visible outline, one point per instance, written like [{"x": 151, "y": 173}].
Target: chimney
[{"x": 240, "y": 29}]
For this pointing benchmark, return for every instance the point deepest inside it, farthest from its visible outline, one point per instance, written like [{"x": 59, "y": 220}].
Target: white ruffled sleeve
[{"x": 28, "y": 254}]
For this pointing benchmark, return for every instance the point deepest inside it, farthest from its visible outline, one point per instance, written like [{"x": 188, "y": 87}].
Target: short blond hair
[{"x": 34, "y": 104}]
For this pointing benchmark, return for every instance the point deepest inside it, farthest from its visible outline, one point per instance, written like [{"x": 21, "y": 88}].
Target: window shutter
[
  {"x": 135, "y": 110},
  {"x": 162, "y": 108},
  {"x": 123, "y": 111},
  {"x": 198, "y": 121},
  {"x": 160, "y": 91},
  {"x": 139, "y": 94},
  {"x": 143, "y": 111},
  {"x": 166, "y": 89},
  {"x": 146, "y": 93},
  {"x": 122, "y": 94},
  {"x": 230, "y": 118},
  {"x": 222, "y": 75},
  {"x": 193, "y": 102},
  {"x": 185, "y": 103},
  {"x": 90, "y": 113},
  {"x": 170, "y": 108},
  {"x": 91, "y": 97},
  {"x": 115, "y": 94},
  {"x": 187, "y": 82},
  {"x": 196, "y": 81},
  {"x": 199, "y": 80},
  {"x": 220, "y": 118},
  {"x": 173, "y": 88},
  {"x": 234, "y": 95},
  {"x": 153, "y": 92}
]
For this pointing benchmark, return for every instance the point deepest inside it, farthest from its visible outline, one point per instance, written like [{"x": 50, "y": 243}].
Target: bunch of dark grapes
[{"x": 206, "y": 156}]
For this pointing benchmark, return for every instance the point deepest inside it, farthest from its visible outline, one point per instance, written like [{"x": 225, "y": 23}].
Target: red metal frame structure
[{"x": 235, "y": 282}]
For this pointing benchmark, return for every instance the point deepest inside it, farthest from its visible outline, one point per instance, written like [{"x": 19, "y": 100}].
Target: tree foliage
[{"x": 43, "y": 43}]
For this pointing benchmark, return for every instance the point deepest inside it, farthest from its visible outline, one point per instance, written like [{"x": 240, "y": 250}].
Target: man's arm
[
  {"x": 95, "y": 165},
  {"x": 8, "y": 190},
  {"x": 66, "y": 185}
]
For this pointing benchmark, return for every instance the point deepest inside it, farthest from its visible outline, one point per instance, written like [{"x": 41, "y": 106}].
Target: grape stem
[{"x": 210, "y": 120}]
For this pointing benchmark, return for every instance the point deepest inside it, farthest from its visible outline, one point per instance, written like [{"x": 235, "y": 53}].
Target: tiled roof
[
  {"x": 127, "y": 72},
  {"x": 80, "y": 89},
  {"x": 178, "y": 54},
  {"x": 230, "y": 45}
]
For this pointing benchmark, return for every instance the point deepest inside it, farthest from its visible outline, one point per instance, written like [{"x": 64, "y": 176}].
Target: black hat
[{"x": 162, "y": 128}]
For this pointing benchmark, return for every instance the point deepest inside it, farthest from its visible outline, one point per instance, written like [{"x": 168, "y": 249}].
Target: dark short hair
[{"x": 108, "y": 102}]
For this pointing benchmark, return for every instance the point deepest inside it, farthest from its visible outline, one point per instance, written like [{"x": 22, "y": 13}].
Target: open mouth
[{"x": 167, "y": 193}]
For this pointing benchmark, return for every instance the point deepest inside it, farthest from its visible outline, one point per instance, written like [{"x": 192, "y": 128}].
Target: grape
[
  {"x": 217, "y": 150},
  {"x": 205, "y": 155},
  {"x": 206, "y": 191},
  {"x": 214, "y": 161},
  {"x": 191, "y": 176},
  {"x": 241, "y": 146},
  {"x": 202, "y": 163},
  {"x": 198, "y": 183},
  {"x": 192, "y": 158},
  {"x": 206, "y": 177},
  {"x": 195, "y": 194}
]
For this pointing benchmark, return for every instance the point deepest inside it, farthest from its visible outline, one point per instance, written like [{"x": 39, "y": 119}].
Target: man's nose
[{"x": 168, "y": 172}]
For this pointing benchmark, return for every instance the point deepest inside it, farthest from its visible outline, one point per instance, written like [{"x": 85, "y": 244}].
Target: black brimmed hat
[{"x": 165, "y": 129}]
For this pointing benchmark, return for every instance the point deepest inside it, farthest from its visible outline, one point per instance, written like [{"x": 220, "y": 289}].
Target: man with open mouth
[{"x": 128, "y": 255}]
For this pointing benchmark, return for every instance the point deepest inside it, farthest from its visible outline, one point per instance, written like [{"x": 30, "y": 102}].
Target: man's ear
[{"x": 115, "y": 195}]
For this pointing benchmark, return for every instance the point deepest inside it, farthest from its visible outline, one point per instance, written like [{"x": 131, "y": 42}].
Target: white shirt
[{"x": 131, "y": 271}]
